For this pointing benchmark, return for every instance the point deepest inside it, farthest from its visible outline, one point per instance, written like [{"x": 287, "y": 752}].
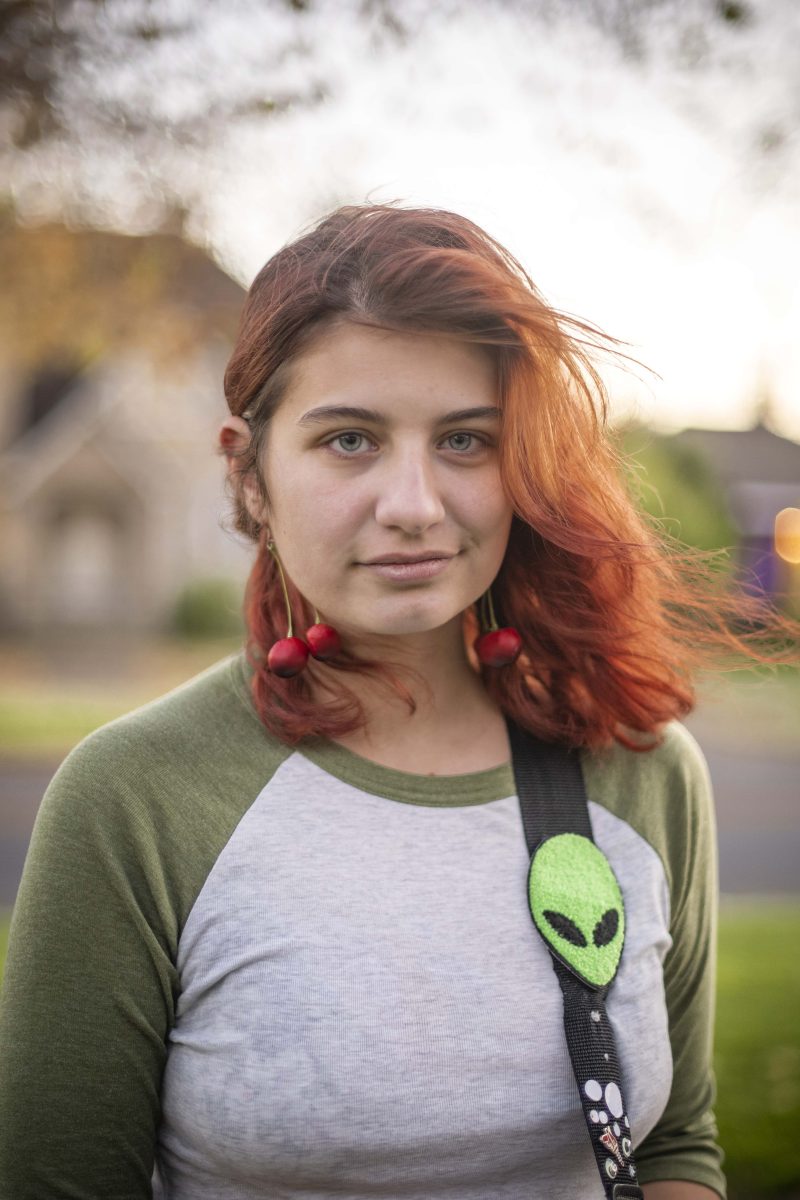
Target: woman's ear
[{"x": 234, "y": 438}]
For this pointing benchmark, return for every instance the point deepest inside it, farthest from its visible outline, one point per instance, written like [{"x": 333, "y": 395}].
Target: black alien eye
[
  {"x": 606, "y": 928},
  {"x": 565, "y": 927}
]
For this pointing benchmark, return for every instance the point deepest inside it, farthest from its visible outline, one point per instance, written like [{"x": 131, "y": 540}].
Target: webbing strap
[
  {"x": 550, "y": 788},
  {"x": 552, "y": 798}
]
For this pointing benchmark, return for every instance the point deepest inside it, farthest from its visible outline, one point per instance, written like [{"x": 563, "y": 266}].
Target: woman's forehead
[{"x": 359, "y": 366}]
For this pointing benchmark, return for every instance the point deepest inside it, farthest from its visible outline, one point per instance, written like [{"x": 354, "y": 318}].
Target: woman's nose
[{"x": 409, "y": 498}]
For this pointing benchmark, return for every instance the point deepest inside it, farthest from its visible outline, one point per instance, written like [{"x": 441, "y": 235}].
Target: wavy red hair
[{"x": 614, "y": 617}]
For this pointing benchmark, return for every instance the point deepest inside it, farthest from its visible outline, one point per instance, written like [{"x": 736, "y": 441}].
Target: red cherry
[
  {"x": 288, "y": 656},
  {"x": 323, "y": 641},
  {"x": 499, "y": 647}
]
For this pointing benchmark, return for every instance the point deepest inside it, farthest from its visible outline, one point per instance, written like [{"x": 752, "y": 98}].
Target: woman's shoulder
[
  {"x": 664, "y": 793},
  {"x": 141, "y": 809},
  {"x": 670, "y": 766}
]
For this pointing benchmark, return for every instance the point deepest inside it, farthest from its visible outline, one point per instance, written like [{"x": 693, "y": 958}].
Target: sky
[{"x": 643, "y": 164}]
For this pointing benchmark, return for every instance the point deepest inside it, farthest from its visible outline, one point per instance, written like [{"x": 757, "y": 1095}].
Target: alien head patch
[{"x": 576, "y": 905}]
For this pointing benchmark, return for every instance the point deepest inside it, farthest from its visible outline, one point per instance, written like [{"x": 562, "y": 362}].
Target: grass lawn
[
  {"x": 46, "y": 725},
  {"x": 44, "y": 712},
  {"x": 4, "y": 920},
  {"x": 758, "y": 1046}
]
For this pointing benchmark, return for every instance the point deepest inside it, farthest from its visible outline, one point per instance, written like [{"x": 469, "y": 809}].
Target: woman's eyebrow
[{"x": 342, "y": 412}]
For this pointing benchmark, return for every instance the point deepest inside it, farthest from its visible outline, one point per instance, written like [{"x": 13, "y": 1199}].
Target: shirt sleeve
[
  {"x": 683, "y": 1144},
  {"x": 88, "y": 994}
]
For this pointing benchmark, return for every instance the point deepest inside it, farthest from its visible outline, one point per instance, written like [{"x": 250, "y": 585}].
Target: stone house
[{"x": 112, "y": 353}]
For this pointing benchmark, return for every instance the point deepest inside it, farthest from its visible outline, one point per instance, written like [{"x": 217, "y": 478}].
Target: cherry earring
[
  {"x": 323, "y": 640},
  {"x": 289, "y": 655},
  {"x": 495, "y": 647}
]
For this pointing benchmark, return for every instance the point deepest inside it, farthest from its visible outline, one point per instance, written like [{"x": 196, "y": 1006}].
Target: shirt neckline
[{"x": 434, "y": 791}]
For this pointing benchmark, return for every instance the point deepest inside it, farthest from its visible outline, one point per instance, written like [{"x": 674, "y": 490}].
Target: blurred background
[{"x": 640, "y": 157}]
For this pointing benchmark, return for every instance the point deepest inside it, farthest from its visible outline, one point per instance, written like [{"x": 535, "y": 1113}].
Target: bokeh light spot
[{"x": 787, "y": 534}]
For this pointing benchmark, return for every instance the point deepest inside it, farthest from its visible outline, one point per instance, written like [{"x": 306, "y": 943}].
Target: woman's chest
[{"x": 365, "y": 1002}]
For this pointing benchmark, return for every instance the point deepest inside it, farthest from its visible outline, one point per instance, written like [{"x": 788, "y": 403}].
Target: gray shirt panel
[{"x": 367, "y": 1011}]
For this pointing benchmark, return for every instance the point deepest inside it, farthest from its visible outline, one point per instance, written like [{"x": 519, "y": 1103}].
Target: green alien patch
[{"x": 576, "y": 905}]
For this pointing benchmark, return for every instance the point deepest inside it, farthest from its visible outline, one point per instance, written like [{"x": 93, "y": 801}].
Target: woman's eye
[
  {"x": 348, "y": 443},
  {"x": 465, "y": 441}
]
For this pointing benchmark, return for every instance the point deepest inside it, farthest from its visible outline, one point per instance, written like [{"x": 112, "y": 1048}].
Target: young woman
[{"x": 273, "y": 937}]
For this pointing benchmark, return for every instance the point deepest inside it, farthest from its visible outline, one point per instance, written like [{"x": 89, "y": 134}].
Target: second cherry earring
[
  {"x": 495, "y": 647},
  {"x": 323, "y": 640}
]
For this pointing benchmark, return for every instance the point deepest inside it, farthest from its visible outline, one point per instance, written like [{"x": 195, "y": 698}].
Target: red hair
[{"x": 615, "y": 619}]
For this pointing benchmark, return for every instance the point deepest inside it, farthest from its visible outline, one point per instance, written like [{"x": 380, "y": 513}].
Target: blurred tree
[
  {"x": 116, "y": 103},
  {"x": 74, "y": 67},
  {"x": 53, "y": 57},
  {"x": 56, "y": 55},
  {"x": 677, "y": 486},
  {"x": 122, "y": 103}
]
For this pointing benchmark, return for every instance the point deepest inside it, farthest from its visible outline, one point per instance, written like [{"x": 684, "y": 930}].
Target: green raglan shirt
[{"x": 240, "y": 970}]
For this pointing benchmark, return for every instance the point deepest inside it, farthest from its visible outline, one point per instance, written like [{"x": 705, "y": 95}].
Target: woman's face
[{"x": 381, "y": 466}]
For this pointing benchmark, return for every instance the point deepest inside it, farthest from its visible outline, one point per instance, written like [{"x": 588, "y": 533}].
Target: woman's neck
[{"x": 456, "y": 727}]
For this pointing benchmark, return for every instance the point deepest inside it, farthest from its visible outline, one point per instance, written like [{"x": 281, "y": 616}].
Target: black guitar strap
[{"x": 576, "y": 905}]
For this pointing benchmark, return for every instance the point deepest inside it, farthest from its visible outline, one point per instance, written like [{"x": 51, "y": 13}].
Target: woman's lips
[{"x": 408, "y": 572}]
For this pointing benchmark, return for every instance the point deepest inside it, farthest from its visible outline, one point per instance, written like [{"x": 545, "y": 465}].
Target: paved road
[
  {"x": 758, "y": 814},
  {"x": 758, "y": 818},
  {"x": 21, "y": 787}
]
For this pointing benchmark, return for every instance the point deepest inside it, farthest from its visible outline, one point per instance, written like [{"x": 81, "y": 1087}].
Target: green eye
[
  {"x": 465, "y": 442},
  {"x": 348, "y": 442}
]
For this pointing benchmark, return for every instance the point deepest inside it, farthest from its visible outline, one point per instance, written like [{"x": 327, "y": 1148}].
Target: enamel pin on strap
[{"x": 576, "y": 905}]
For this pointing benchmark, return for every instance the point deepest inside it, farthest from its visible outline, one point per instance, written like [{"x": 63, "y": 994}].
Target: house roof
[
  {"x": 746, "y": 455},
  {"x": 54, "y": 274},
  {"x": 76, "y": 297}
]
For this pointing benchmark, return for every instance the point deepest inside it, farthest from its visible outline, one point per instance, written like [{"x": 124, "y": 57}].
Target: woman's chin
[{"x": 400, "y": 625}]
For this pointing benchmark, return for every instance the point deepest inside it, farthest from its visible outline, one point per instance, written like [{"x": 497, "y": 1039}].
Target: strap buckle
[{"x": 627, "y": 1191}]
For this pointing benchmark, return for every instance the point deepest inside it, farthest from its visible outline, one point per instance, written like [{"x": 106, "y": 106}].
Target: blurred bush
[
  {"x": 208, "y": 608},
  {"x": 678, "y": 487}
]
